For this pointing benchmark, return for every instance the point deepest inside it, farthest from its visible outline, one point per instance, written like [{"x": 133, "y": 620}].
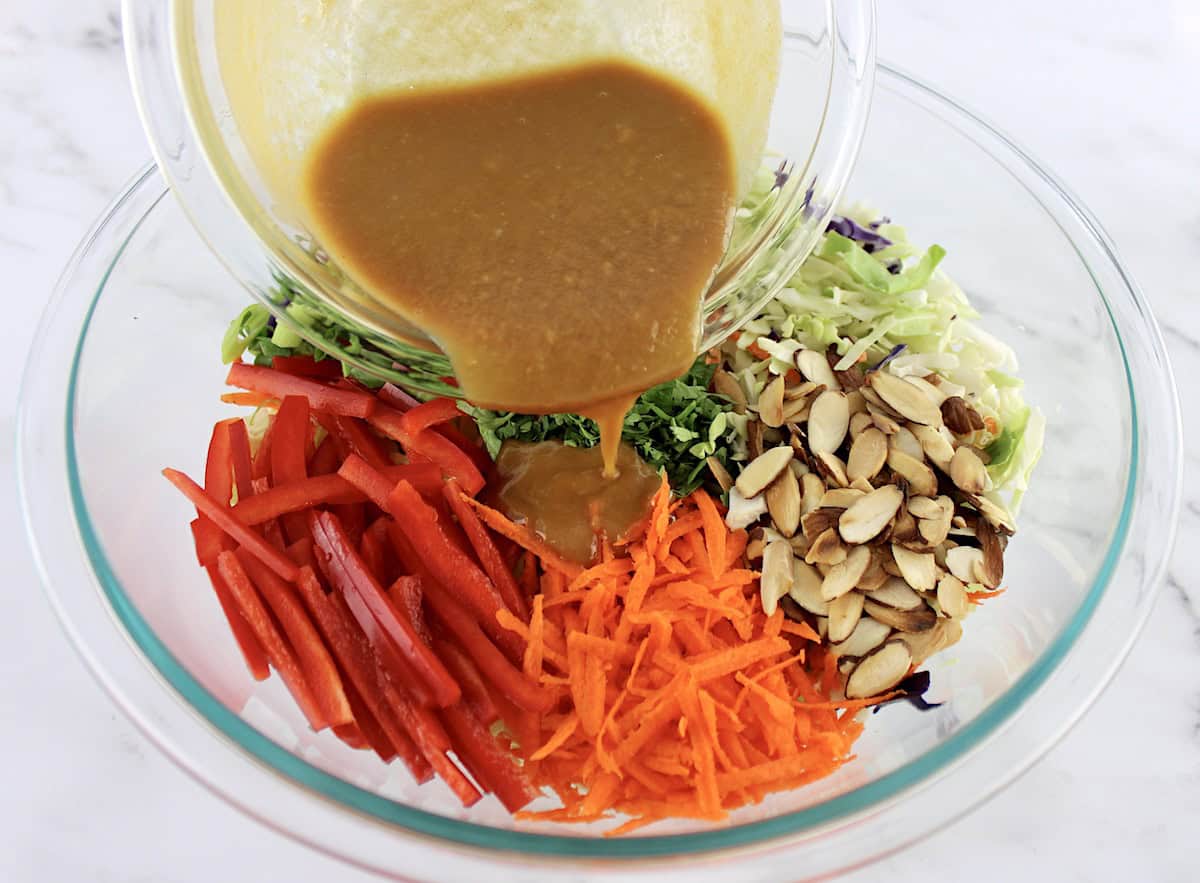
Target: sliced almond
[
  {"x": 754, "y": 439},
  {"x": 720, "y": 473},
  {"x": 925, "y": 644},
  {"x": 995, "y": 515},
  {"x": 960, "y": 417},
  {"x": 797, "y": 411},
  {"x": 919, "y": 476},
  {"x": 832, "y": 469},
  {"x": 897, "y": 594},
  {"x": 814, "y": 366},
  {"x": 935, "y": 445},
  {"x": 798, "y": 469},
  {"x": 934, "y": 392},
  {"x": 991, "y": 565},
  {"x": 744, "y": 512},
  {"x": 806, "y": 588},
  {"x": 906, "y": 399},
  {"x": 811, "y": 491},
  {"x": 827, "y": 548},
  {"x": 762, "y": 471},
  {"x": 819, "y": 520},
  {"x": 868, "y": 453},
  {"x": 725, "y": 384},
  {"x": 919, "y": 569},
  {"x": 783, "y": 502},
  {"x": 952, "y": 597},
  {"x": 904, "y": 530},
  {"x": 968, "y": 472},
  {"x": 844, "y": 613},
  {"x": 875, "y": 577},
  {"x": 770, "y": 403},
  {"x": 802, "y": 390},
  {"x": 962, "y": 561},
  {"x": 879, "y": 671},
  {"x": 861, "y": 485},
  {"x": 840, "y": 498},
  {"x": 860, "y": 422},
  {"x": 867, "y": 635},
  {"x": 846, "y": 665},
  {"x": 755, "y": 543},
  {"x": 918, "y": 619},
  {"x": 776, "y": 579},
  {"x": 924, "y": 507},
  {"x": 935, "y": 530},
  {"x": 904, "y": 440},
  {"x": 856, "y": 403},
  {"x": 844, "y": 577},
  {"x": 828, "y": 420},
  {"x": 869, "y": 515}
]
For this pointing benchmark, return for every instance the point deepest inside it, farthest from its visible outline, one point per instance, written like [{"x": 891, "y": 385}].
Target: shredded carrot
[
  {"x": 758, "y": 352},
  {"x": 673, "y": 694},
  {"x": 980, "y": 597}
]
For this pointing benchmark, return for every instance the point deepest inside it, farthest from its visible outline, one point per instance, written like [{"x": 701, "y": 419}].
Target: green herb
[{"x": 674, "y": 426}]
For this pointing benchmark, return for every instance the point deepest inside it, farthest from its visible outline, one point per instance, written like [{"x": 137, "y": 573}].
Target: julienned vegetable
[{"x": 415, "y": 621}]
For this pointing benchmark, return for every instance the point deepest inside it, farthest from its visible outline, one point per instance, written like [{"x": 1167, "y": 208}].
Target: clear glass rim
[{"x": 839, "y": 809}]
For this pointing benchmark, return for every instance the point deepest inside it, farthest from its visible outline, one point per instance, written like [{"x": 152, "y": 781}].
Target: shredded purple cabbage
[
  {"x": 896, "y": 350},
  {"x": 913, "y": 689},
  {"x": 782, "y": 174},
  {"x": 868, "y": 239}
]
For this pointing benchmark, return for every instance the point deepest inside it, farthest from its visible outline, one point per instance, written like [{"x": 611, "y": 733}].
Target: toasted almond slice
[
  {"x": 868, "y": 453},
  {"x": 832, "y": 469},
  {"x": 861, "y": 485},
  {"x": 720, "y": 473},
  {"x": 828, "y": 420},
  {"x": 796, "y": 412},
  {"x": 960, "y": 417},
  {"x": 919, "y": 569},
  {"x": 846, "y": 666},
  {"x": 919, "y": 476},
  {"x": 783, "y": 502},
  {"x": 844, "y": 613},
  {"x": 991, "y": 565},
  {"x": 826, "y": 549},
  {"x": 744, "y": 512},
  {"x": 755, "y": 543},
  {"x": 815, "y": 367},
  {"x": 935, "y": 393},
  {"x": 776, "y": 579},
  {"x": 798, "y": 469},
  {"x": 925, "y": 644},
  {"x": 869, "y": 515},
  {"x": 885, "y": 423},
  {"x": 725, "y": 384},
  {"x": 811, "y": 491},
  {"x": 952, "y": 597},
  {"x": 843, "y": 577},
  {"x": 856, "y": 403},
  {"x": 762, "y": 471},
  {"x": 918, "y": 619},
  {"x": 924, "y": 507},
  {"x": 904, "y": 440},
  {"x": 897, "y": 594},
  {"x": 802, "y": 390},
  {"x": 859, "y": 422},
  {"x": 840, "y": 498},
  {"x": 934, "y": 530},
  {"x": 935, "y": 445},
  {"x": 995, "y": 515},
  {"x": 754, "y": 438},
  {"x": 968, "y": 472},
  {"x": 819, "y": 520},
  {"x": 770, "y": 403},
  {"x": 879, "y": 671},
  {"x": 904, "y": 530},
  {"x": 867, "y": 635},
  {"x": 906, "y": 399},
  {"x": 875, "y": 577},
  {"x": 962, "y": 562},
  {"x": 806, "y": 588}
]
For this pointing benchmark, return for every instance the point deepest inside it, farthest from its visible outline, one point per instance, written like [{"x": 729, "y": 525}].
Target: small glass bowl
[
  {"x": 820, "y": 112},
  {"x": 124, "y": 377}
]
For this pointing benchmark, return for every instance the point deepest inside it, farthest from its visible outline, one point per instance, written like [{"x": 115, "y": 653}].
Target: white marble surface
[{"x": 1103, "y": 91}]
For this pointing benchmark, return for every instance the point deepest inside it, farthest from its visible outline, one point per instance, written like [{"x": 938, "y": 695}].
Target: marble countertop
[{"x": 1102, "y": 91}]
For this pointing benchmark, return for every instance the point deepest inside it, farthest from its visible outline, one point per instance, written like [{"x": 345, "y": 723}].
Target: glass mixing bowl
[
  {"x": 124, "y": 379},
  {"x": 820, "y": 112}
]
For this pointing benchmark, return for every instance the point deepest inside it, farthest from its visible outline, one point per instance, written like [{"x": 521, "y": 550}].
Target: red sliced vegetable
[
  {"x": 406, "y": 593},
  {"x": 492, "y": 664},
  {"x": 486, "y": 550},
  {"x": 290, "y": 434},
  {"x": 428, "y": 414},
  {"x": 433, "y": 447},
  {"x": 319, "y": 671},
  {"x": 475, "y": 691},
  {"x": 210, "y": 541},
  {"x": 218, "y": 466},
  {"x": 298, "y": 496},
  {"x": 395, "y": 397},
  {"x": 247, "y": 641},
  {"x": 304, "y": 366},
  {"x": 277, "y": 650},
  {"x": 369, "y": 727},
  {"x": 376, "y": 484},
  {"x": 351, "y": 735},
  {"x": 362, "y": 441},
  {"x": 301, "y": 552},
  {"x": 434, "y": 743},
  {"x": 347, "y": 402},
  {"x": 345, "y": 570},
  {"x": 230, "y": 524},
  {"x": 374, "y": 549},
  {"x": 260, "y": 466},
  {"x": 352, "y": 650},
  {"x": 325, "y": 459},
  {"x": 239, "y": 456},
  {"x": 492, "y": 766}
]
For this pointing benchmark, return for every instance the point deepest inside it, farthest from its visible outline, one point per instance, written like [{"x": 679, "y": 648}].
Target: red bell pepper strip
[
  {"x": 218, "y": 466},
  {"x": 449, "y": 564},
  {"x": 298, "y": 496},
  {"x": 492, "y": 664},
  {"x": 319, "y": 671},
  {"x": 239, "y": 456},
  {"x": 433, "y": 447},
  {"x": 210, "y": 541},
  {"x": 260, "y": 466},
  {"x": 525, "y": 727},
  {"x": 529, "y": 575},
  {"x": 368, "y": 725},
  {"x": 325, "y": 458},
  {"x": 345, "y": 570},
  {"x": 347, "y": 402},
  {"x": 353, "y": 652},
  {"x": 394, "y": 397},
  {"x": 429, "y": 414},
  {"x": 475, "y": 692},
  {"x": 376, "y": 484},
  {"x": 406, "y": 593},
  {"x": 491, "y": 765},
  {"x": 301, "y": 552},
  {"x": 351, "y": 736},
  {"x": 252, "y": 650},
  {"x": 486, "y": 550},
  {"x": 276, "y": 648},
  {"x": 304, "y": 366},
  {"x": 353, "y": 518},
  {"x": 434, "y": 743},
  {"x": 230, "y": 524},
  {"x": 290, "y": 434},
  {"x": 362, "y": 441},
  {"x": 374, "y": 549}
]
